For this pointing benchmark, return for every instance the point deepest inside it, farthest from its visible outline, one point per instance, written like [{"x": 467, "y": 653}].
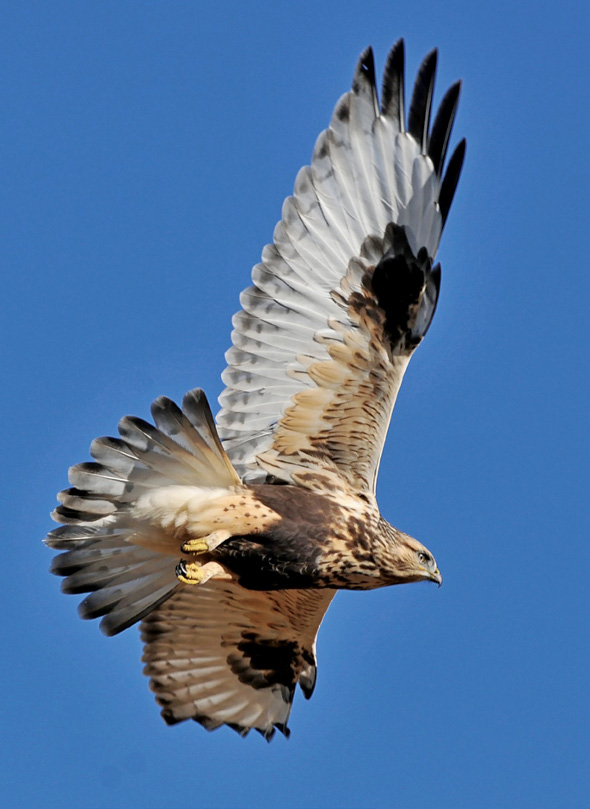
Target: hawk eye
[{"x": 424, "y": 558}]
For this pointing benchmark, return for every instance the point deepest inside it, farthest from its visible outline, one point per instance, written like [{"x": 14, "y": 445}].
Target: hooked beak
[{"x": 437, "y": 577}]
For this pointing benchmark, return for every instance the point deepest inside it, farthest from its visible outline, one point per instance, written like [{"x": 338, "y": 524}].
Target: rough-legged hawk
[{"x": 228, "y": 541}]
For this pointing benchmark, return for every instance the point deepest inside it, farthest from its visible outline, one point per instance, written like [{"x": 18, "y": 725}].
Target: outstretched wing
[
  {"x": 346, "y": 291},
  {"x": 221, "y": 654}
]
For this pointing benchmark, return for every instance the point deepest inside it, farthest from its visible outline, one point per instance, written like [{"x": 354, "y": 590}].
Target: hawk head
[{"x": 403, "y": 559}]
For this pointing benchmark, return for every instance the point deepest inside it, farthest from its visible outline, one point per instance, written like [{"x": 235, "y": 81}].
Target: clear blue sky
[{"x": 146, "y": 151}]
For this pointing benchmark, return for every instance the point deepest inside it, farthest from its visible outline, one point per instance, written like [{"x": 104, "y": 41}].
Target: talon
[
  {"x": 195, "y": 546},
  {"x": 189, "y": 572},
  {"x": 192, "y": 573},
  {"x": 206, "y": 543}
]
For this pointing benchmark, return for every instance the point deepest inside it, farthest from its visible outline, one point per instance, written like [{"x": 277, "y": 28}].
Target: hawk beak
[{"x": 437, "y": 577}]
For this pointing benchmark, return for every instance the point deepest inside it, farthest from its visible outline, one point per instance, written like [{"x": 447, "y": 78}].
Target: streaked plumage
[{"x": 229, "y": 551}]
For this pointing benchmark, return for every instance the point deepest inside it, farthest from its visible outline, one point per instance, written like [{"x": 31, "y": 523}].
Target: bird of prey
[{"x": 229, "y": 539}]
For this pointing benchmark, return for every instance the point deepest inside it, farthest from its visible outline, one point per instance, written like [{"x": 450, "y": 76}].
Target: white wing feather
[{"x": 367, "y": 171}]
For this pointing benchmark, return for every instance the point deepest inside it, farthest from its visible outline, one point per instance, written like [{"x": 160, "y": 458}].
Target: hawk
[{"x": 229, "y": 539}]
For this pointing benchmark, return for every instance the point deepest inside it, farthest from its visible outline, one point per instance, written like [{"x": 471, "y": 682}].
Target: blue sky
[{"x": 147, "y": 148}]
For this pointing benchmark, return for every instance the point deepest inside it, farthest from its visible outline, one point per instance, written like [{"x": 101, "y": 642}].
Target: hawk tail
[{"x": 105, "y": 547}]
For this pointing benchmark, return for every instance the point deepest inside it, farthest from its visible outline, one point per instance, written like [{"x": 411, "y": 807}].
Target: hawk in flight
[{"x": 229, "y": 539}]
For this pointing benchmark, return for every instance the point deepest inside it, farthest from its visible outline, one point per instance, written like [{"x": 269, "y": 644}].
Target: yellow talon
[
  {"x": 195, "y": 546},
  {"x": 207, "y": 543},
  {"x": 189, "y": 572}
]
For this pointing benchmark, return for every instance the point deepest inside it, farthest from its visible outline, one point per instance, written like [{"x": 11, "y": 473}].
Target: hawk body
[
  {"x": 228, "y": 539},
  {"x": 317, "y": 542}
]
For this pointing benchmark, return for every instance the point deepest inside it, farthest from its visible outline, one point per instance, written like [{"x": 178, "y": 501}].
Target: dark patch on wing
[
  {"x": 406, "y": 288},
  {"x": 265, "y": 662},
  {"x": 262, "y": 662}
]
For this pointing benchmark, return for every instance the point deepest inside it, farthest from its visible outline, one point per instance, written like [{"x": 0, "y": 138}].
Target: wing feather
[
  {"x": 318, "y": 353},
  {"x": 220, "y": 654}
]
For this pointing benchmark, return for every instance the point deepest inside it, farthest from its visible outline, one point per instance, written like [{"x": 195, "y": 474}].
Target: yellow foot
[
  {"x": 207, "y": 543},
  {"x": 189, "y": 572},
  {"x": 194, "y": 546},
  {"x": 192, "y": 573}
]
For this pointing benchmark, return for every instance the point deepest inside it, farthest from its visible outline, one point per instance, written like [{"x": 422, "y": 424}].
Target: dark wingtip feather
[
  {"x": 392, "y": 100},
  {"x": 450, "y": 180},
  {"x": 419, "y": 115},
  {"x": 267, "y": 734},
  {"x": 365, "y": 70},
  {"x": 239, "y": 729},
  {"x": 282, "y": 726},
  {"x": 443, "y": 124},
  {"x": 435, "y": 275},
  {"x": 169, "y": 717}
]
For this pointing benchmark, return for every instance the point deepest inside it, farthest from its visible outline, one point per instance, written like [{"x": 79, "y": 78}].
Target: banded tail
[{"x": 105, "y": 546}]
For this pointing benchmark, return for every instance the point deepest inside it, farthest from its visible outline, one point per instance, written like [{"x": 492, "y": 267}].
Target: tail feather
[
  {"x": 192, "y": 430},
  {"x": 162, "y": 453},
  {"x": 105, "y": 548},
  {"x": 121, "y": 593},
  {"x": 75, "y": 538},
  {"x": 96, "y": 575},
  {"x": 197, "y": 410},
  {"x": 112, "y": 483},
  {"x": 91, "y": 502},
  {"x": 113, "y": 453},
  {"x": 129, "y": 609}
]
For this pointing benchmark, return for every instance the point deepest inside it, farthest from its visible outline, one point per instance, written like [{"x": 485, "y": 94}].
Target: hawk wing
[
  {"x": 346, "y": 291},
  {"x": 221, "y": 654}
]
